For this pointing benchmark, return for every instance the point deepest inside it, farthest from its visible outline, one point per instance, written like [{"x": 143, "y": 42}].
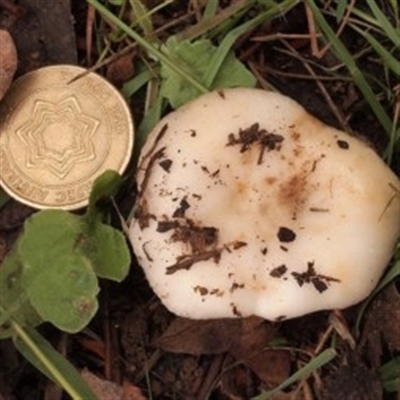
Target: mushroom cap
[{"x": 248, "y": 205}]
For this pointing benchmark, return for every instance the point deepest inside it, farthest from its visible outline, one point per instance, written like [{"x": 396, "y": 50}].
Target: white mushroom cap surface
[{"x": 248, "y": 205}]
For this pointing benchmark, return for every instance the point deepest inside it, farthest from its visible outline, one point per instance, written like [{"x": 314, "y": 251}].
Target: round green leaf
[
  {"x": 63, "y": 293},
  {"x": 14, "y": 300},
  {"x": 108, "y": 252},
  {"x": 48, "y": 236}
]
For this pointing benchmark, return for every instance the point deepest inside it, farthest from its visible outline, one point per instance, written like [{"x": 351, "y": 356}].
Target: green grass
[{"x": 382, "y": 41}]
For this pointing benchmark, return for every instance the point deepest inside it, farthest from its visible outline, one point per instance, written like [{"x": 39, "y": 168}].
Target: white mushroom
[{"x": 248, "y": 205}]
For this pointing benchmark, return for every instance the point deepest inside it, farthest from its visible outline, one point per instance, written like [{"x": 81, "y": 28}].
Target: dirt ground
[{"x": 134, "y": 347}]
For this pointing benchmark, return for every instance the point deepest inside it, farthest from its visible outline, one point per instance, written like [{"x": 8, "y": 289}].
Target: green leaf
[
  {"x": 58, "y": 278},
  {"x": 48, "y": 236},
  {"x": 38, "y": 351},
  {"x": 150, "y": 48},
  {"x": 108, "y": 252},
  {"x": 14, "y": 300},
  {"x": 51, "y": 274},
  {"x": 104, "y": 187},
  {"x": 63, "y": 293},
  {"x": 196, "y": 57}
]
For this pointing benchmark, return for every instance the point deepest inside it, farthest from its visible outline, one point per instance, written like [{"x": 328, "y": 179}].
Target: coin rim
[{"x": 81, "y": 74}]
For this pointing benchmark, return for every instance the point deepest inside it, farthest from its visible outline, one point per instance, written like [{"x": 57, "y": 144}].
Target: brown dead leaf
[
  {"x": 352, "y": 380},
  {"x": 8, "y": 61},
  {"x": 107, "y": 390},
  {"x": 237, "y": 381},
  {"x": 134, "y": 338},
  {"x": 102, "y": 388},
  {"x": 121, "y": 70},
  {"x": 200, "y": 336},
  {"x": 131, "y": 392},
  {"x": 271, "y": 366},
  {"x": 382, "y": 325}
]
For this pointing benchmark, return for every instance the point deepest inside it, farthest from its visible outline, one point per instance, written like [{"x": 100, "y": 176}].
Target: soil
[{"x": 135, "y": 348}]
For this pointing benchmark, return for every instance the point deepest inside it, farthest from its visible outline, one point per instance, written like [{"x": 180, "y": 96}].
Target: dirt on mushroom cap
[{"x": 249, "y": 205}]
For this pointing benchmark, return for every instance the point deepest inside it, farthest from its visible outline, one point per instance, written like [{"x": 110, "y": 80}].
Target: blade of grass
[
  {"x": 229, "y": 40},
  {"x": 394, "y": 138},
  {"x": 395, "y": 6},
  {"x": 340, "y": 9},
  {"x": 44, "y": 357},
  {"x": 205, "y": 25},
  {"x": 210, "y": 9},
  {"x": 143, "y": 15},
  {"x": 319, "y": 361},
  {"x": 366, "y": 17},
  {"x": 344, "y": 55},
  {"x": 392, "y": 33},
  {"x": 132, "y": 86},
  {"x": 151, "y": 49},
  {"x": 391, "y": 62}
]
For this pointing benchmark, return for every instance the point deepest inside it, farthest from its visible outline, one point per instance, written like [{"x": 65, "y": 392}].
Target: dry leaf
[
  {"x": 107, "y": 390},
  {"x": 353, "y": 380},
  {"x": 121, "y": 70},
  {"x": 382, "y": 325},
  {"x": 8, "y": 61},
  {"x": 271, "y": 366},
  {"x": 102, "y": 388},
  {"x": 237, "y": 382},
  {"x": 200, "y": 336},
  {"x": 131, "y": 392}
]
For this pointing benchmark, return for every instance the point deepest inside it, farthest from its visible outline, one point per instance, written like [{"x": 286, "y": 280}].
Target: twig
[
  {"x": 324, "y": 92},
  {"x": 316, "y": 52},
  {"x": 90, "y": 19}
]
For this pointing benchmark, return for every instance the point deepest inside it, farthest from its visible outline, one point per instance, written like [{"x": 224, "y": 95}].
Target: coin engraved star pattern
[
  {"x": 60, "y": 128},
  {"x": 44, "y": 146}
]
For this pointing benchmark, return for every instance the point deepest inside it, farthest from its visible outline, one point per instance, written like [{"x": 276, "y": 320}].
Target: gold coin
[{"x": 59, "y": 130}]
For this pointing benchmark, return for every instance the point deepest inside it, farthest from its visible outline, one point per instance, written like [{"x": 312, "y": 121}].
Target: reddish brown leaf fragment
[{"x": 121, "y": 69}]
